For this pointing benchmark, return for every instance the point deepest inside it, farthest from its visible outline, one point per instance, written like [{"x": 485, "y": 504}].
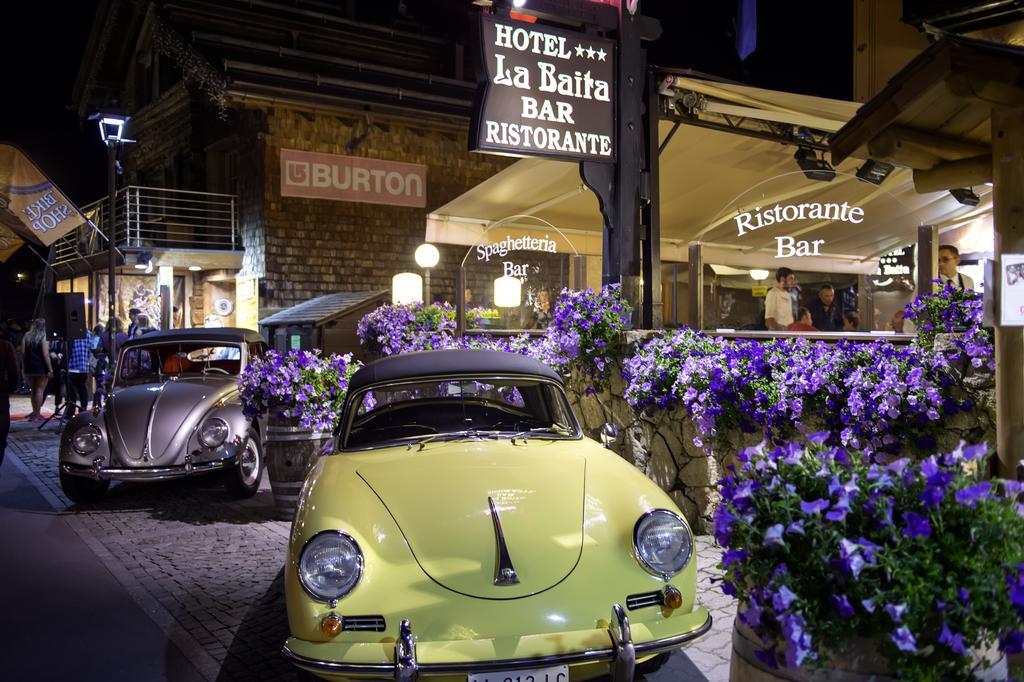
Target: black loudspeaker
[{"x": 65, "y": 315}]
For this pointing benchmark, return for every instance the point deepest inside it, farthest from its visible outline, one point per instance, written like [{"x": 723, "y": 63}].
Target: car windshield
[
  {"x": 161, "y": 361},
  {"x": 446, "y": 409}
]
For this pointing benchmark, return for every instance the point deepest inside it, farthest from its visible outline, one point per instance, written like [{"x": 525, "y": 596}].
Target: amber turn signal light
[
  {"x": 672, "y": 598},
  {"x": 331, "y": 625}
]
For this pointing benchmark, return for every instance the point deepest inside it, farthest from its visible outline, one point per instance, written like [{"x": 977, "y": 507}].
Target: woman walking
[{"x": 38, "y": 368}]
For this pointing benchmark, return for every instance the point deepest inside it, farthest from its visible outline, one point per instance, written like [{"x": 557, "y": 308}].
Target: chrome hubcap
[{"x": 249, "y": 464}]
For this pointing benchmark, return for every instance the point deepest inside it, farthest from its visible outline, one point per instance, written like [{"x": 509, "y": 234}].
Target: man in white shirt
[
  {"x": 949, "y": 259},
  {"x": 778, "y": 306}
]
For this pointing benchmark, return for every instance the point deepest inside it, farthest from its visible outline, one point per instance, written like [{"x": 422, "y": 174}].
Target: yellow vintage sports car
[{"x": 464, "y": 529}]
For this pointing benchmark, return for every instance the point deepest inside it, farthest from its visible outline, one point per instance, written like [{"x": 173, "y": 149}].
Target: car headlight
[
  {"x": 86, "y": 440},
  {"x": 663, "y": 542},
  {"x": 330, "y": 565},
  {"x": 213, "y": 432}
]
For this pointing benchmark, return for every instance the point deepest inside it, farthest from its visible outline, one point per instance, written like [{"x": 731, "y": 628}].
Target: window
[
  {"x": 477, "y": 407},
  {"x": 160, "y": 362}
]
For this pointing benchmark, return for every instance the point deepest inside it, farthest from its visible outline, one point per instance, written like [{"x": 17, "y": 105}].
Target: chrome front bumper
[
  {"x": 622, "y": 655},
  {"x": 98, "y": 472}
]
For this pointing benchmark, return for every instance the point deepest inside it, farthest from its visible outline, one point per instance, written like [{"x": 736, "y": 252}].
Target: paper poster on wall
[
  {"x": 247, "y": 302},
  {"x": 1012, "y": 290}
]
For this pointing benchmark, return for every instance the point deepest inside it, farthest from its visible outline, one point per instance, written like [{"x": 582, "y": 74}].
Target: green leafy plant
[{"x": 824, "y": 545}]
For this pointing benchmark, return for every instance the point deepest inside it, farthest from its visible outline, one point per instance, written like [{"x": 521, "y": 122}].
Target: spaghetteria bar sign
[{"x": 547, "y": 93}]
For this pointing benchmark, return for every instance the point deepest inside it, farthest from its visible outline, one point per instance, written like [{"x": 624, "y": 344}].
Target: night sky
[{"x": 804, "y": 46}]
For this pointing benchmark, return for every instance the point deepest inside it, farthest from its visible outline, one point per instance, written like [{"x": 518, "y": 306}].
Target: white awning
[{"x": 703, "y": 174}]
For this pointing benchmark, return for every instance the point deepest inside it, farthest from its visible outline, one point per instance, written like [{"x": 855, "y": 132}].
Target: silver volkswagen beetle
[{"x": 174, "y": 411}]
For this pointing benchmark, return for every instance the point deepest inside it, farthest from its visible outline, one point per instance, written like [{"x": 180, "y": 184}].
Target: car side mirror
[{"x": 609, "y": 434}]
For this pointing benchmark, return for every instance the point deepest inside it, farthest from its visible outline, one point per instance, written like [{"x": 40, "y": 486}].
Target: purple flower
[
  {"x": 850, "y": 558},
  {"x": 1012, "y": 488},
  {"x": 751, "y": 615},
  {"x": 783, "y": 599},
  {"x": 971, "y": 495},
  {"x": 904, "y": 640},
  {"x": 839, "y": 510},
  {"x": 797, "y": 527},
  {"x": 798, "y": 641},
  {"x": 954, "y": 641},
  {"x": 842, "y": 604},
  {"x": 973, "y": 452},
  {"x": 1012, "y": 642},
  {"x": 1015, "y": 583},
  {"x": 819, "y": 437},
  {"x": 724, "y": 520},
  {"x": 773, "y": 536},
  {"x": 868, "y": 604},
  {"x": 916, "y": 525},
  {"x": 733, "y": 556},
  {"x": 896, "y": 611},
  {"x": 814, "y": 507}
]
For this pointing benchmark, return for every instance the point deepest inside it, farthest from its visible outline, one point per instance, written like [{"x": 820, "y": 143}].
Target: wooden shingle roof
[{"x": 323, "y": 309}]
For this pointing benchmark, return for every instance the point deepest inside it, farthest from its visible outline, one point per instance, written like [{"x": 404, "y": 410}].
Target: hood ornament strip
[
  {"x": 146, "y": 452},
  {"x": 506, "y": 573}
]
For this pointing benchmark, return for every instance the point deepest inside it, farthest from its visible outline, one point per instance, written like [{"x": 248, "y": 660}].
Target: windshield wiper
[
  {"x": 556, "y": 429},
  {"x": 422, "y": 441}
]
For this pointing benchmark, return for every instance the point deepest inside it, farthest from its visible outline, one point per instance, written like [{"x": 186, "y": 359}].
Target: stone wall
[
  {"x": 314, "y": 246},
  {"x": 660, "y": 442}
]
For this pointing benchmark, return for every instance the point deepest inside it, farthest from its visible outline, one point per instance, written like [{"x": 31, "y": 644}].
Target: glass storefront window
[{"x": 514, "y": 274}]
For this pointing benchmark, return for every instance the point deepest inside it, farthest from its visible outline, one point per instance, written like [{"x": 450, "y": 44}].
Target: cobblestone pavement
[{"x": 208, "y": 569}]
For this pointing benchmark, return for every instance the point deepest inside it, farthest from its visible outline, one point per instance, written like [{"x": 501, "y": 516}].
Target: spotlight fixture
[
  {"x": 875, "y": 172},
  {"x": 813, "y": 167},
  {"x": 966, "y": 196}
]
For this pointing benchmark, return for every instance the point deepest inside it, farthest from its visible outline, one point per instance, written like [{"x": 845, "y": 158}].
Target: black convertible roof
[
  {"x": 223, "y": 334},
  {"x": 445, "y": 362}
]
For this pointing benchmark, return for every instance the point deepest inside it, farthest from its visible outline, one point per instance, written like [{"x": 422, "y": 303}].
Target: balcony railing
[{"x": 156, "y": 218}]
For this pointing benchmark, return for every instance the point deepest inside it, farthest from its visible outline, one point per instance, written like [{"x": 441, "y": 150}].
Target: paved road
[
  {"x": 202, "y": 572},
  {"x": 63, "y": 610}
]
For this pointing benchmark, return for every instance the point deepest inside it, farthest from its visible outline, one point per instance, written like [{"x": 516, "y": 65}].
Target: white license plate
[{"x": 559, "y": 673}]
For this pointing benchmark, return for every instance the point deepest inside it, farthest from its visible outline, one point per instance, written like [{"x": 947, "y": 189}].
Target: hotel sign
[
  {"x": 547, "y": 93},
  {"x": 352, "y": 178}
]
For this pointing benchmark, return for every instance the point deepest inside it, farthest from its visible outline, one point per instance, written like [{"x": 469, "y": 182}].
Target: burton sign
[{"x": 547, "y": 93}]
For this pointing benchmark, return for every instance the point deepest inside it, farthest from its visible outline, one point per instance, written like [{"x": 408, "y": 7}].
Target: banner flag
[
  {"x": 30, "y": 203},
  {"x": 9, "y": 243}
]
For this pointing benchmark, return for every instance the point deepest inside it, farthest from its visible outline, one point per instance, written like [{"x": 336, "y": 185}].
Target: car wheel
[
  {"x": 243, "y": 480},
  {"x": 82, "y": 490}
]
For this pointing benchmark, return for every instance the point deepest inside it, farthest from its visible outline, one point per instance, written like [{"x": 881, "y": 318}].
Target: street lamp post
[
  {"x": 427, "y": 256},
  {"x": 111, "y": 247},
  {"x": 112, "y": 134}
]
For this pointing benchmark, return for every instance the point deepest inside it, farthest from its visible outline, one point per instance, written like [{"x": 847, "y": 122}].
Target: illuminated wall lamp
[
  {"x": 758, "y": 275},
  {"x": 406, "y": 287},
  {"x": 508, "y": 292},
  {"x": 427, "y": 256}
]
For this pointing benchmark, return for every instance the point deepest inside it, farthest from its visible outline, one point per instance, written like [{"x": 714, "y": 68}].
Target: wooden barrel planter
[
  {"x": 860, "y": 662},
  {"x": 290, "y": 451}
]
